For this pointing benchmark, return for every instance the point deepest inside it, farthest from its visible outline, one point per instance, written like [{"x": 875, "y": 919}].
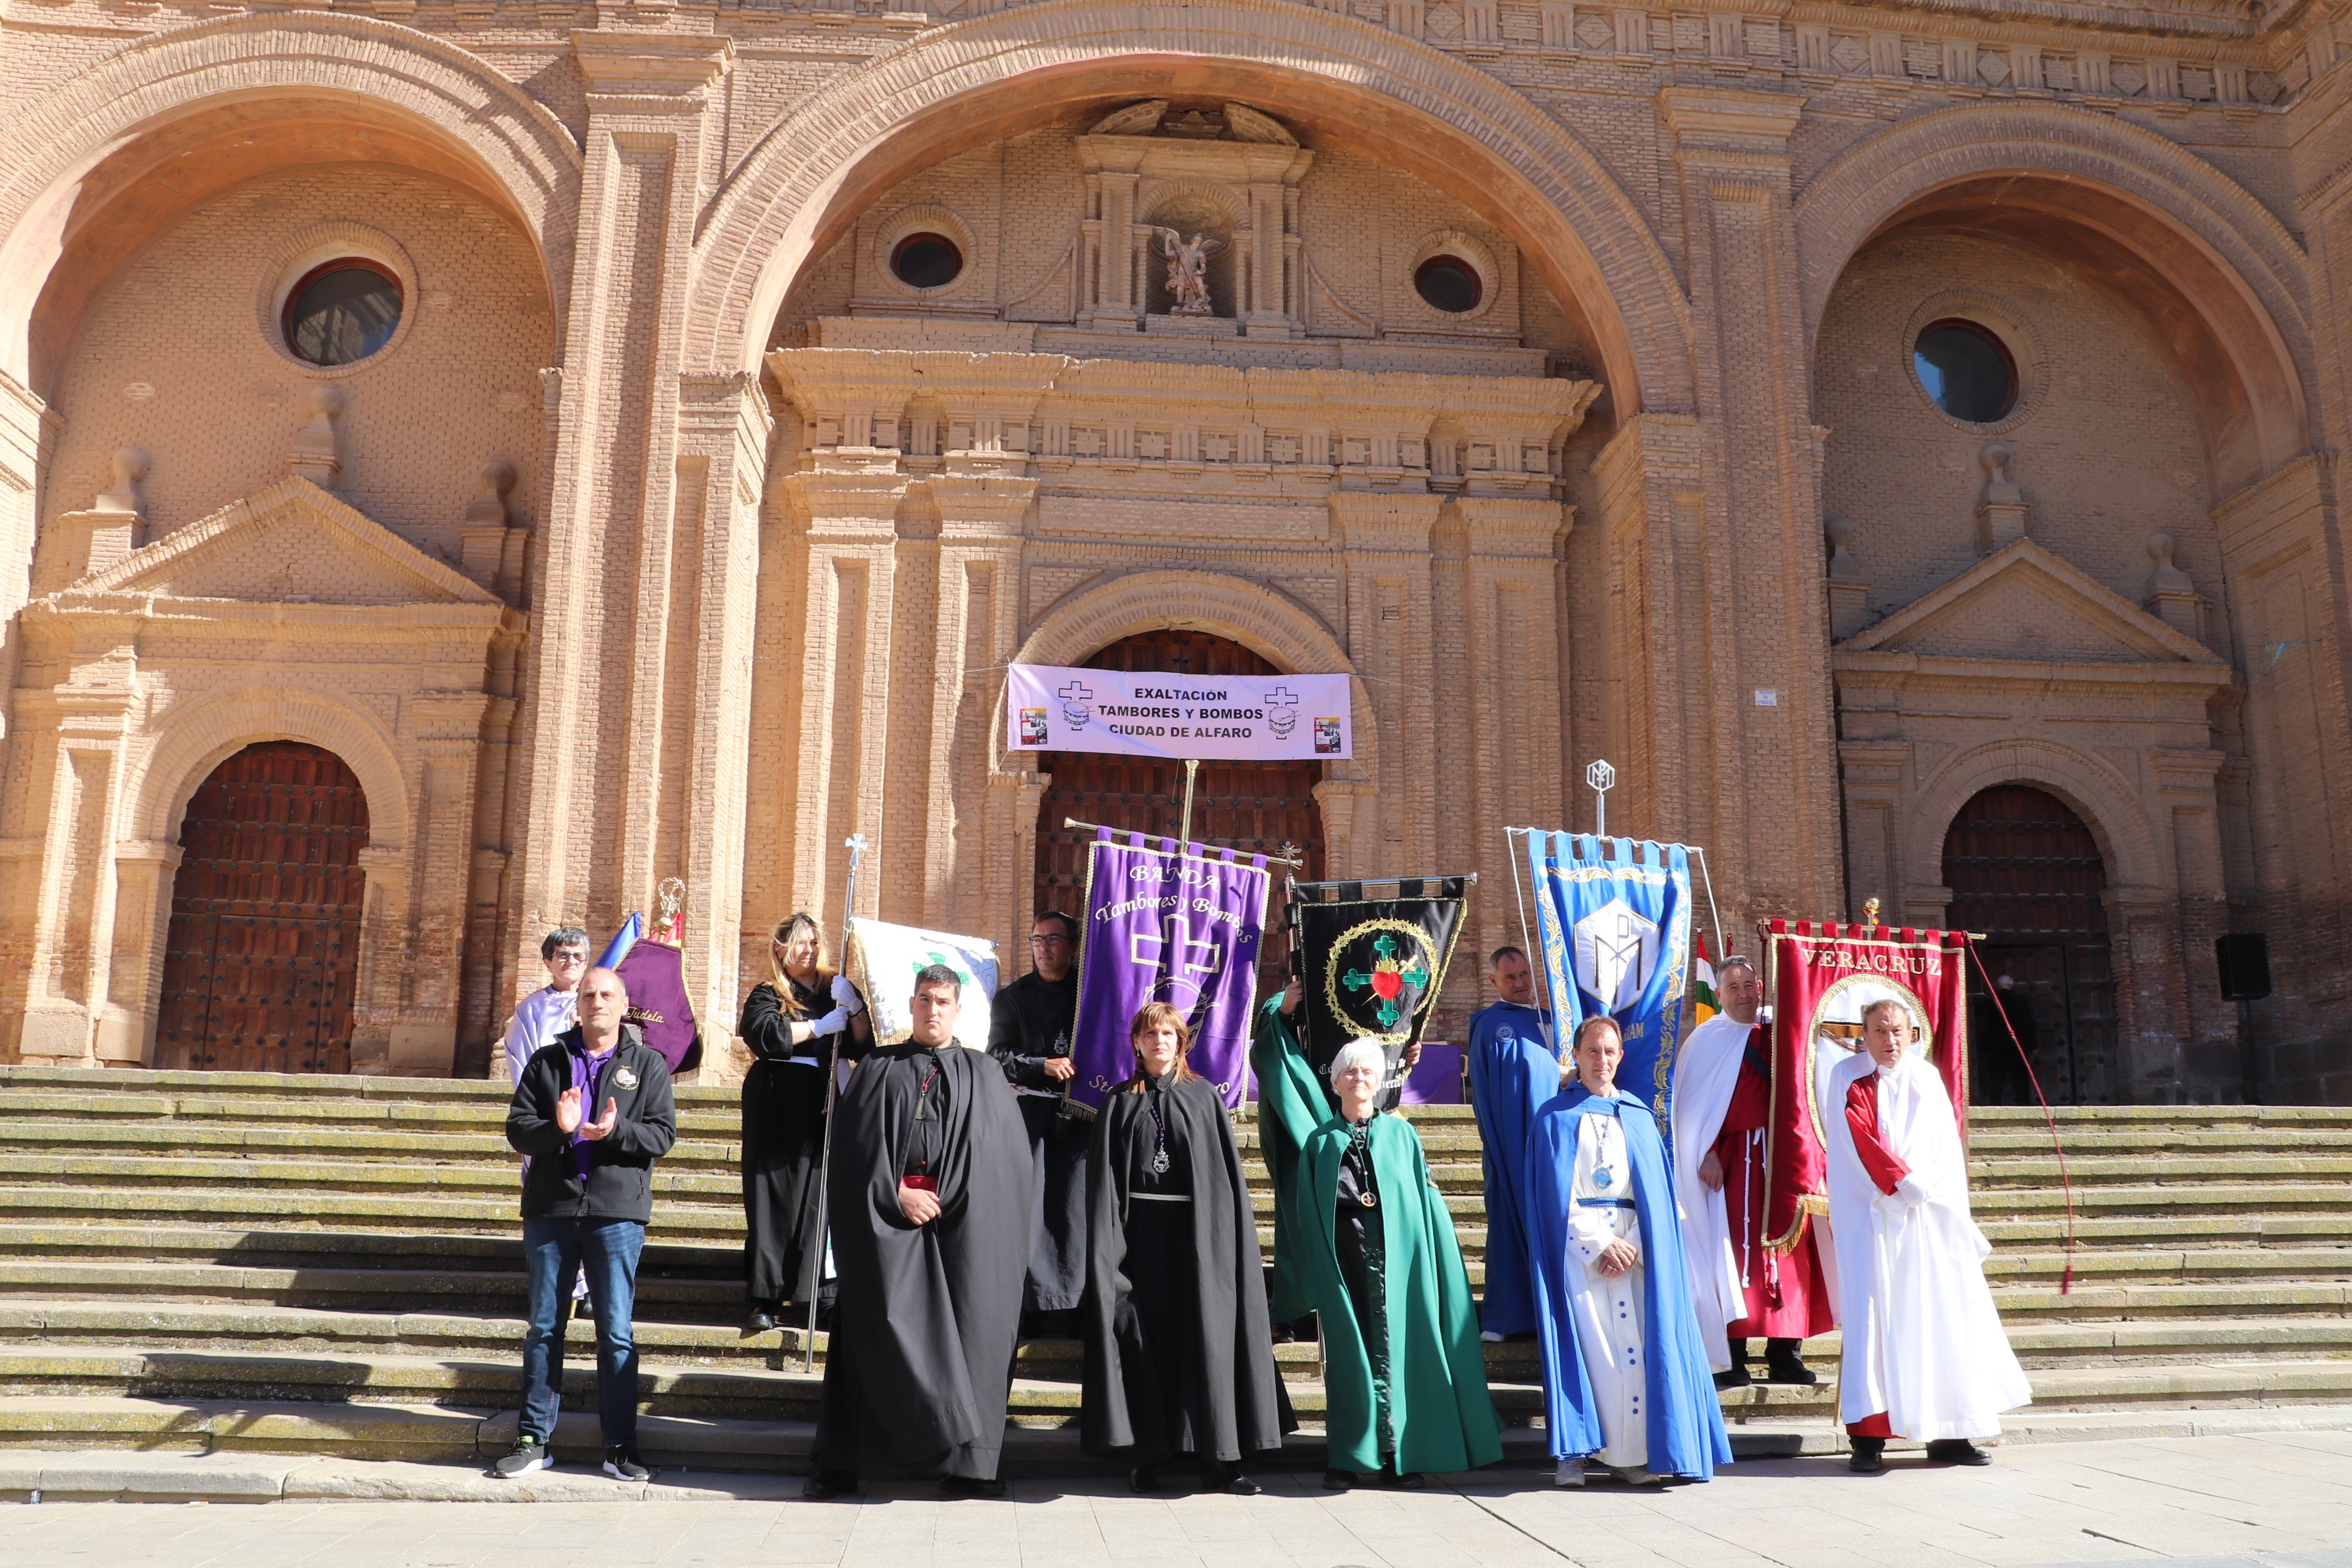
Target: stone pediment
[
  {"x": 2022, "y": 604},
  {"x": 292, "y": 542}
]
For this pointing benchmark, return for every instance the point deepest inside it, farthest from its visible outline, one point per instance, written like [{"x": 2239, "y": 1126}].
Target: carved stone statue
[{"x": 1188, "y": 271}]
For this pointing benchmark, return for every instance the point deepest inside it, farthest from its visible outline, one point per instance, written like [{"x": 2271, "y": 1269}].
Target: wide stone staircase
[{"x": 206, "y": 1262}]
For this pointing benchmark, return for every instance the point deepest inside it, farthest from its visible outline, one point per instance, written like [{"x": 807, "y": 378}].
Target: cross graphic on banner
[
  {"x": 1183, "y": 958},
  {"x": 1074, "y": 691},
  {"x": 1281, "y": 696}
]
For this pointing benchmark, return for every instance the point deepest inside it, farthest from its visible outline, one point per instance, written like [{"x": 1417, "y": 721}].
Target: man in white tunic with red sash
[
  {"x": 1722, "y": 1106},
  {"x": 1925, "y": 1354}
]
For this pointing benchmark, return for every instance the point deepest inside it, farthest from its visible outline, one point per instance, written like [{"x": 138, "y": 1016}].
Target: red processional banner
[{"x": 1818, "y": 978}]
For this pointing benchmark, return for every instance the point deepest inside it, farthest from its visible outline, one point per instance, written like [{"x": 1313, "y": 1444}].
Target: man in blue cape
[
  {"x": 1626, "y": 1374},
  {"x": 1514, "y": 1073}
]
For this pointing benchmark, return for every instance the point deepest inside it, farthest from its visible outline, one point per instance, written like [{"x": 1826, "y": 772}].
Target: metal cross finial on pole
[
  {"x": 1602, "y": 778},
  {"x": 821, "y": 1238}
]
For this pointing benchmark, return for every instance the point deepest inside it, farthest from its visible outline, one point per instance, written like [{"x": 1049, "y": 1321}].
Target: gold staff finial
[{"x": 1870, "y": 913}]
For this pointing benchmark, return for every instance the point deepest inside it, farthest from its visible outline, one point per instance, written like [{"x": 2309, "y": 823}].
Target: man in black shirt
[
  {"x": 1029, "y": 1031},
  {"x": 584, "y": 1204}
]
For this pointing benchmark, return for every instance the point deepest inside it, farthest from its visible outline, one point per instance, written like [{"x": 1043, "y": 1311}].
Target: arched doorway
[
  {"x": 263, "y": 950},
  {"x": 1255, "y": 807},
  {"x": 2024, "y": 870}
]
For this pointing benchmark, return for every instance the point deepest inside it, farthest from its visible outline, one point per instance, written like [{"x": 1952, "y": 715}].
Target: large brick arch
[
  {"x": 1276, "y": 629},
  {"x": 2127, "y": 192},
  {"x": 513, "y": 144},
  {"x": 199, "y": 738},
  {"x": 2094, "y": 792},
  {"x": 1383, "y": 94}
]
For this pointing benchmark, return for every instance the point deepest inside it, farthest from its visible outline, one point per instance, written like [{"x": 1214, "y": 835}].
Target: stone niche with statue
[{"x": 1191, "y": 222}]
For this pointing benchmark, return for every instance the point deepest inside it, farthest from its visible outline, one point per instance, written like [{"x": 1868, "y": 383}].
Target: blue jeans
[{"x": 553, "y": 1250}]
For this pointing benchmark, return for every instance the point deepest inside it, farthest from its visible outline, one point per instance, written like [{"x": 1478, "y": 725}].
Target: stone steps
[{"x": 330, "y": 1265}]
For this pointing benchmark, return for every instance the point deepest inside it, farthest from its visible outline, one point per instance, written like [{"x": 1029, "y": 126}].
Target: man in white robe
[
  {"x": 1925, "y": 1355},
  {"x": 554, "y": 1007},
  {"x": 547, "y": 1013},
  {"x": 1706, "y": 1069}
]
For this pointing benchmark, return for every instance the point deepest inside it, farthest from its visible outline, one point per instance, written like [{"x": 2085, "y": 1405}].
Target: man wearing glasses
[
  {"x": 1029, "y": 1035},
  {"x": 553, "y": 1007}
]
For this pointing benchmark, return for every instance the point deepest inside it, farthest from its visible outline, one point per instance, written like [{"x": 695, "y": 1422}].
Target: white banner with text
[{"x": 1153, "y": 713}]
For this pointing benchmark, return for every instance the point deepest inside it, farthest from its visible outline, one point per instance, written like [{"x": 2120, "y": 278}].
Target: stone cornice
[{"x": 650, "y": 65}]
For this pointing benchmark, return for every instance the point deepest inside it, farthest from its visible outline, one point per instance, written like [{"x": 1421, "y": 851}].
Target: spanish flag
[{"x": 1704, "y": 1004}]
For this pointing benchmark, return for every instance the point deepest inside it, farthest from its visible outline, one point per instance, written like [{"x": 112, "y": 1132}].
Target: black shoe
[
  {"x": 1869, "y": 1456},
  {"x": 1410, "y": 1482},
  {"x": 1783, "y": 1364},
  {"x": 1219, "y": 1477},
  {"x": 1737, "y": 1377},
  {"x": 761, "y": 1320},
  {"x": 1143, "y": 1479},
  {"x": 1339, "y": 1480},
  {"x": 1957, "y": 1451},
  {"x": 621, "y": 1463},
  {"x": 970, "y": 1487},
  {"x": 824, "y": 1486},
  {"x": 529, "y": 1453}
]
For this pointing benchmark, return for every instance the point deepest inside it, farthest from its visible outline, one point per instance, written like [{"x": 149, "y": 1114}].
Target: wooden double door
[
  {"x": 262, "y": 955},
  {"x": 1257, "y": 808},
  {"x": 2025, "y": 871}
]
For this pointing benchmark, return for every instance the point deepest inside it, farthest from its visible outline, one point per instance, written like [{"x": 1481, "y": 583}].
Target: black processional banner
[{"x": 1371, "y": 968}]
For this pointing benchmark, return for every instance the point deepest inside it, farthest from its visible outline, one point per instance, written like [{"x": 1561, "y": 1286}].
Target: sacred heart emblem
[{"x": 1379, "y": 977}]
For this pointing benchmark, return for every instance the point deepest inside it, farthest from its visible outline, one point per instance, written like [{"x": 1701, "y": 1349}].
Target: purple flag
[
  {"x": 654, "y": 976},
  {"x": 1164, "y": 926}
]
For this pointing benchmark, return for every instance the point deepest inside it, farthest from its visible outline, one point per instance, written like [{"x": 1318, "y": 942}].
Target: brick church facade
[{"x": 462, "y": 464}]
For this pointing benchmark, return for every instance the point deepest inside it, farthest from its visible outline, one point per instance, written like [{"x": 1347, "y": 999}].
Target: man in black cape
[
  {"x": 1179, "y": 1358},
  {"x": 1031, "y": 1026},
  {"x": 928, "y": 1195}
]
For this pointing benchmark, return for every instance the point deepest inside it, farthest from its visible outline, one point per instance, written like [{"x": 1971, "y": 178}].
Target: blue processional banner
[{"x": 1614, "y": 934}]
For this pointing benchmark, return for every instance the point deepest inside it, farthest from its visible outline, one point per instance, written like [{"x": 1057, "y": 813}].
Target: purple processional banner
[{"x": 1164, "y": 924}]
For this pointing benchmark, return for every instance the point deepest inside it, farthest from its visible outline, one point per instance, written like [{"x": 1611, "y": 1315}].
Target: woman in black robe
[
  {"x": 1178, "y": 1357},
  {"x": 794, "y": 1023}
]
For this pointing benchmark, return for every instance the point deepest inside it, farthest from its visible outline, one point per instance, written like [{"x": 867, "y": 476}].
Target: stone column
[
  {"x": 1747, "y": 592},
  {"x": 841, "y": 713},
  {"x": 446, "y": 729},
  {"x": 1656, "y": 715},
  {"x": 2187, "y": 787},
  {"x": 1392, "y": 639},
  {"x": 1512, "y": 625},
  {"x": 143, "y": 871},
  {"x": 617, "y": 551},
  {"x": 725, "y": 423},
  {"x": 978, "y": 626},
  {"x": 79, "y": 772}
]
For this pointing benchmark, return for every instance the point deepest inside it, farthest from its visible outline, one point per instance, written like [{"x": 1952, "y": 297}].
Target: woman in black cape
[
  {"x": 1178, "y": 1357},
  {"x": 794, "y": 1023}
]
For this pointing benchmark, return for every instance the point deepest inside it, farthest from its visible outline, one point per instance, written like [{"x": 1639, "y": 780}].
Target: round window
[
  {"x": 341, "y": 312},
  {"x": 925, "y": 261},
  {"x": 1448, "y": 283},
  {"x": 1966, "y": 372}
]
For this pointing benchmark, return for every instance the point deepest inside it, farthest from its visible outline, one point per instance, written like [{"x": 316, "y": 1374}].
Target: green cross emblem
[{"x": 1387, "y": 981}]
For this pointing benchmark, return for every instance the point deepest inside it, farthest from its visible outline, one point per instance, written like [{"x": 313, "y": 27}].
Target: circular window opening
[
  {"x": 1448, "y": 283},
  {"x": 1967, "y": 371},
  {"x": 341, "y": 312},
  {"x": 926, "y": 261}
]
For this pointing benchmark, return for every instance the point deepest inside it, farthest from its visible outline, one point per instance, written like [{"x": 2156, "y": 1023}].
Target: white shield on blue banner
[{"x": 1613, "y": 932}]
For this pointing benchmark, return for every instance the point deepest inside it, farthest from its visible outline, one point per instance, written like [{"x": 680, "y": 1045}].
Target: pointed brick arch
[{"x": 993, "y": 76}]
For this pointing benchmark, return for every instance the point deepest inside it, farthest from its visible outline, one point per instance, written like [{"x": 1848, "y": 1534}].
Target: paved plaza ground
[{"x": 2282, "y": 1501}]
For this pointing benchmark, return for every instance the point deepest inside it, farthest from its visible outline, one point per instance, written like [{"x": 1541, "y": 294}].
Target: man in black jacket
[
  {"x": 585, "y": 1203},
  {"x": 1029, "y": 1031}
]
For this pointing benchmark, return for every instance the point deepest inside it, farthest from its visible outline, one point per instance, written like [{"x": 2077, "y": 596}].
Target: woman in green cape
[
  {"x": 1292, "y": 1102},
  {"x": 1403, "y": 1369}
]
